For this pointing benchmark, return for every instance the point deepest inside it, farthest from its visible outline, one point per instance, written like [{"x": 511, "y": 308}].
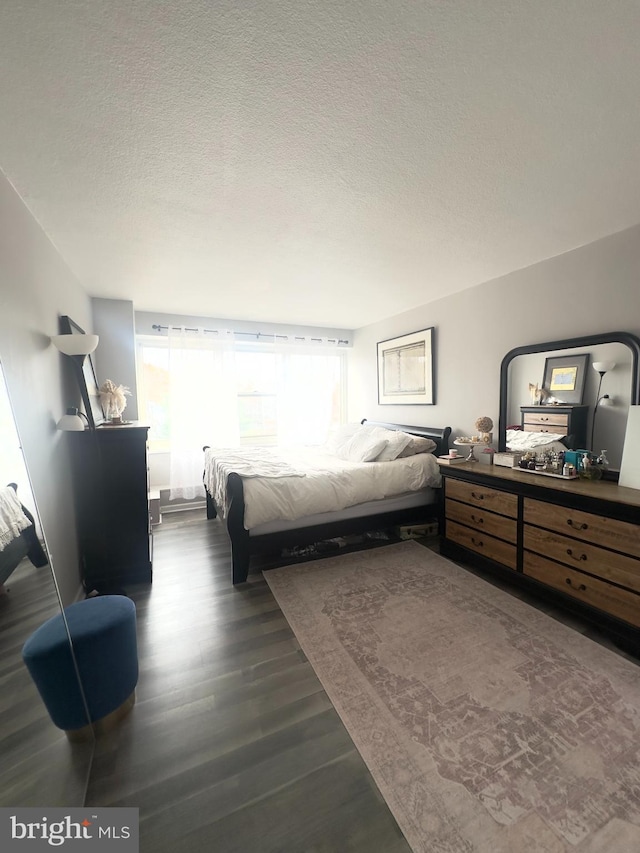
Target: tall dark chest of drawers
[{"x": 112, "y": 508}]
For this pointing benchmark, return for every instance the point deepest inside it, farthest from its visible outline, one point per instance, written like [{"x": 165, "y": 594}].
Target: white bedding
[
  {"x": 518, "y": 439},
  {"x": 322, "y": 483},
  {"x": 408, "y": 500},
  {"x": 12, "y": 519}
]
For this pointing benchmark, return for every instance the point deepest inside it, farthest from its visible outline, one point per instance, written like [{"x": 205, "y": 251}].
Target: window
[
  {"x": 256, "y": 374},
  {"x": 153, "y": 391},
  {"x": 283, "y": 395}
]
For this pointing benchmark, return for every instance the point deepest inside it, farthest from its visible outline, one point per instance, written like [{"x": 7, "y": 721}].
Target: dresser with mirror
[{"x": 572, "y": 541}]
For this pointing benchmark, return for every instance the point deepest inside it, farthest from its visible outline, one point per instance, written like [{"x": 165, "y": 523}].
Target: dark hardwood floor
[{"x": 233, "y": 744}]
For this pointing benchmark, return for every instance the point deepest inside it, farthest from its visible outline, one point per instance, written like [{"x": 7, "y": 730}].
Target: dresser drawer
[
  {"x": 611, "y": 599},
  {"x": 482, "y": 543},
  {"x": 546, "y": 419},
  {"x": 609, "y": 565},
  {"x": 482, "y": 520},
  {"x": 481, "y": 496},
  {"x": 607, "y": 532},
  {"x": 558, "y": 430}
]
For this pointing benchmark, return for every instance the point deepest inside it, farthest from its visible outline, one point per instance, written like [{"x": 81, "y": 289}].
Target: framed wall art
[
  {"x": 564, "y": 378},
  {"x": 405, "y": 370}
]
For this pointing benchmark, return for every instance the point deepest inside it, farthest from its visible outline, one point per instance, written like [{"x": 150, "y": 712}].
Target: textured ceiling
[{"x": 328, "y": 163}]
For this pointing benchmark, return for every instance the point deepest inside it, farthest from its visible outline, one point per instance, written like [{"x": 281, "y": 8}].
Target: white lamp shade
[
  {"x": 607, "y": 401},
  {"x": 603, "y": 366},
  {"x": 71, "y": 423},
  {"x": 75, "y": 344}
]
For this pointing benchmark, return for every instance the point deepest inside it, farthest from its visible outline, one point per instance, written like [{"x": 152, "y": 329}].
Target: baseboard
[{"x": 180, "y": 504}]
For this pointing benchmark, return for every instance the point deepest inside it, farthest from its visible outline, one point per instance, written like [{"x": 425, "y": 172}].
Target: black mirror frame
[
  {"x": 630, "y": 340},
  {"x": 85, "y": 376}
]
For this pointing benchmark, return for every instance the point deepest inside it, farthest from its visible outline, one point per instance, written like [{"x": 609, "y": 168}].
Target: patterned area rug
[{"x": 488, "y": 726}]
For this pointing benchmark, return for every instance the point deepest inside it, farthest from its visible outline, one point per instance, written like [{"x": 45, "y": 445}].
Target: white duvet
[
  {"x": 324, "y": 483},
  {"x": 524, "y": 440},
  {"x": 12, "y": 519}
]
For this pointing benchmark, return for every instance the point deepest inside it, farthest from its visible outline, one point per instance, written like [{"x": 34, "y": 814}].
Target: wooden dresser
[
  {"x": 578, "y": 542},
  {"x": 562, "y": 420},
  {"x": 112, "y": 508}
]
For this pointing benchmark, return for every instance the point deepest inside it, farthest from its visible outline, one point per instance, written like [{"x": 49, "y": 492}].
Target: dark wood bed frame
[{"x": 244, "y": 546}]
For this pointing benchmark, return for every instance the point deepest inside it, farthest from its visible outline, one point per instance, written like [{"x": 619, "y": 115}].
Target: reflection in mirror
[
  {"x": 613, "y": 390},
  {"x": 38, "y": 764}
]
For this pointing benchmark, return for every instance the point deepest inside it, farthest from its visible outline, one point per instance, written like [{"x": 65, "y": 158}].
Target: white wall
[
  {"x": 36, "y": 287},
  {"x": 593, "y": 289}
]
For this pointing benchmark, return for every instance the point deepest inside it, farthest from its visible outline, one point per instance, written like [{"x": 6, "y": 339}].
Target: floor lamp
[{"x": 600, "y": 367}]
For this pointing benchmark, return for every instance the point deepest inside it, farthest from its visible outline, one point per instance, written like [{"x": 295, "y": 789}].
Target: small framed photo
[
  {"x": 405, "y": 370},
  {"x": 564, "y": 378}
]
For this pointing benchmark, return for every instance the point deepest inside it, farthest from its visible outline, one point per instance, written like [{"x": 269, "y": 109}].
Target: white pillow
[
  {"x": 339, "y": 436},
  {"x": 417, "y": 445},
  {"x": 362, "y": 447},
  {"x": 397, "y": 441}
]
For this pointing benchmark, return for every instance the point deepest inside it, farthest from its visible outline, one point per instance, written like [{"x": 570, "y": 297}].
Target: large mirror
[
  {"x": 605, "y": 394},
  {"x": 39, "y": 766}
]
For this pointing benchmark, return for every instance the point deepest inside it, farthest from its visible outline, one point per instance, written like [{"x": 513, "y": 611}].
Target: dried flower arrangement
[
  {"x": 113, "y": 399},
  {"x": 484, "y": 426}
]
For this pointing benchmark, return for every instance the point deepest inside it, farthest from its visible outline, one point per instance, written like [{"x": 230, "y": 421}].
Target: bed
[
  {"x": 252, "y": 533},
  {"x": 18, "y": 538}
]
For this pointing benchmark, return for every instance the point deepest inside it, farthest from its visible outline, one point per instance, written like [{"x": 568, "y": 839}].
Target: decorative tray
[{"x": 575, "y": 476}]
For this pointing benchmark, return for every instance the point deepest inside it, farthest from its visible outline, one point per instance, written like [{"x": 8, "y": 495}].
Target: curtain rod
[{"x": 257, "y": 335}]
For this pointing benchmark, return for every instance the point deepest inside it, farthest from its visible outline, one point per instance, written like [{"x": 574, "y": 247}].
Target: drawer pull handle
[
  {"x": 580, "y": 588},
  {"x": 580, "y": 558},
  {"x": 477, "y": 520},
  {"x": 477, "y": 496},
  {"x": 477, "y": 542},
  {"x": 577, "y": 525}
]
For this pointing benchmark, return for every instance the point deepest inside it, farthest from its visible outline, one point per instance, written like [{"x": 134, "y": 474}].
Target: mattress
[
  {"x": 407, "y": 501},
  {"x": 318, "y": 482}
]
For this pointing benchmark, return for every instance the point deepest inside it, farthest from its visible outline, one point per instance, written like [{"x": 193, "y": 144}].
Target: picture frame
[
  {"x": 564, "y": 378},
  {"x": 405, "y": 370},
  {"x": 85, "y": 376}
]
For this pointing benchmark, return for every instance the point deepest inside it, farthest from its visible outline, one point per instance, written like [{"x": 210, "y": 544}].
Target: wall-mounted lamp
[
  {"x": 75, "y": 344},
  {"x": 72, "y": 421},
  {"x": 600, "y": 367}
]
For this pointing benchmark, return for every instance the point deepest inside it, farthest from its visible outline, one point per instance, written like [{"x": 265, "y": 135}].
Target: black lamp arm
[{"x": 72, "y": 410}]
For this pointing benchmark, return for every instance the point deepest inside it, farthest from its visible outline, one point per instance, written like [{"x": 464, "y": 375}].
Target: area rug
[{"x": 487, "y": 725}]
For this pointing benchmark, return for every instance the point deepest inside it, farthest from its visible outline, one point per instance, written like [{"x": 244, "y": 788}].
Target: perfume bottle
[{"x": 588, "y": 469}]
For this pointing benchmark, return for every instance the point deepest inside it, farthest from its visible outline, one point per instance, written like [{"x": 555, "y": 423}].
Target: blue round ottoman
[{"x": 103, "y": 634}]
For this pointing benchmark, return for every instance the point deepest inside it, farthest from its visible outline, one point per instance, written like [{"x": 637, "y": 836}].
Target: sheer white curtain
[
  {"x": 202, "y": 403},
  {"x": 309, "y": 390}
]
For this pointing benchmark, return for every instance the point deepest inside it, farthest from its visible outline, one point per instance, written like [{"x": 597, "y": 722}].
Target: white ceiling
[{"x": 314, "y": 161}]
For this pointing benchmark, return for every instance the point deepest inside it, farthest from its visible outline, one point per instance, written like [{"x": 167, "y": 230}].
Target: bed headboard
[{"x": 439, "y": 435}]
